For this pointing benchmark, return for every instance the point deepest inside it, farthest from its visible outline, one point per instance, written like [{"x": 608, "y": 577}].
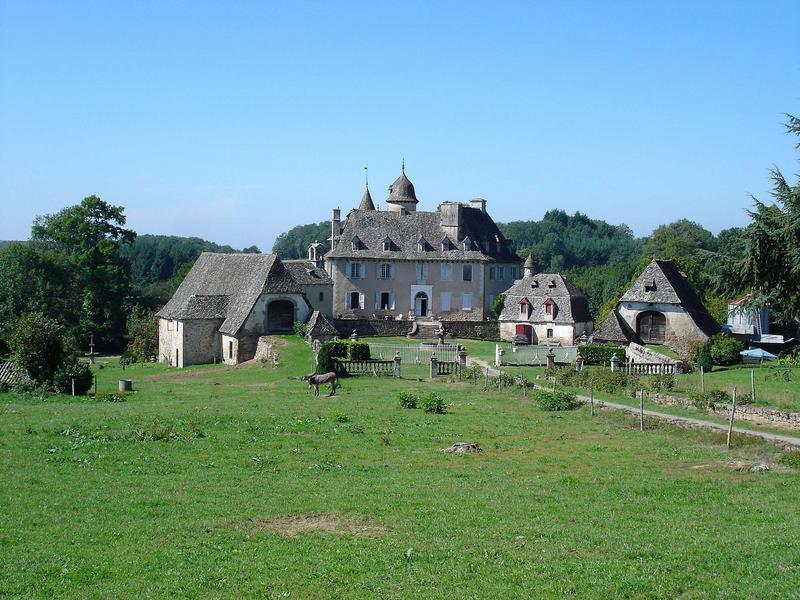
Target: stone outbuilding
[
  {"x": 226, "y": 302},
  {"x": 545, "y": 308},
  {"x": 659, "y": 308}
]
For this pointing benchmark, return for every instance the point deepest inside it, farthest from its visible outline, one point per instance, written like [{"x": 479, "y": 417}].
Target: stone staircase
[{"x": 424, "y": 329}]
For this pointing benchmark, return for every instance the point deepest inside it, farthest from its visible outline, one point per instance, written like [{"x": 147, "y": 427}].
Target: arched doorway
[
  {"x": 280, "y": 315},
  {"x": 652, "y": 327},
  {"x": 421, "y": 304}
]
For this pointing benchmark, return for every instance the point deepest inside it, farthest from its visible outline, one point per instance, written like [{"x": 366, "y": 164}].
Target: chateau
[{"x": 403, "y": 263}]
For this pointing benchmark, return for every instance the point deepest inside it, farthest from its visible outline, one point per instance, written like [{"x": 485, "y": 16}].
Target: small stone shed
[
  {"x": 659, "y": 308},
  {"x": 225, "y": 303}
]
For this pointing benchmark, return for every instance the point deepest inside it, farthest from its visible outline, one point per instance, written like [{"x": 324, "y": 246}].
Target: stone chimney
[
  {"x": 336, "y": 226},
  {"x": 478, "y": 203},
  {"x": 451, "y": 219}
]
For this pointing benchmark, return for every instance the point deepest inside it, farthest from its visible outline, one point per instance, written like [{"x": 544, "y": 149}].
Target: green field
[{"x": 215, "y": 481}]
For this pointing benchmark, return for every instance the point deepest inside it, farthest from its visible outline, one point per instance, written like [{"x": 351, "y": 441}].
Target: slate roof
[
  {"x": 226, "y": 286},
  {"x": 614, "y": 329},
  {"x": 366, "y": 201},
  {"x": 405, "y": 230},
  {"x": 306, "y": 273},
  {"x": 318, "y": 326},
  {"x": 571, "y": 303},
  {"x": 402, "y": 190},
  {"x": 662, "y": 282}
]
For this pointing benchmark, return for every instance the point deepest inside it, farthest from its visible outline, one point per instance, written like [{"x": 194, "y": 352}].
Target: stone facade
[
  {"x": 402, "y": 263},
  {"x": 189, "y": 342}
]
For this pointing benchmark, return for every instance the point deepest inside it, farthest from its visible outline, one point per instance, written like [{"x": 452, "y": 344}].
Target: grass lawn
[{"x": 214, "y": 481}]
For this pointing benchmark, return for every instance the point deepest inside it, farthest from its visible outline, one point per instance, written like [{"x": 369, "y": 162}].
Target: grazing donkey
[{"x": 314, "y": 381}]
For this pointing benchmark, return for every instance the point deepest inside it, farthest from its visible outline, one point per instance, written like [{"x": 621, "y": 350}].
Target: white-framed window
[
  {"x": 549, "y": 333},
  {"x": 446, "y": 245},
  {"x": 384, "y": 270},
  {"x": 466, "y": 301},
  {"x": 356, "y": 270},
  {"x": 421, "y": 271},
  {"x": 447, "y": 271},
  {"x": 445, "y": 300},
  {"x": 387, "y": 245},
  {"x": 466, "y": 273},
  {"x": 355, "y": 243},
  {"x": 355, "y": 300}
]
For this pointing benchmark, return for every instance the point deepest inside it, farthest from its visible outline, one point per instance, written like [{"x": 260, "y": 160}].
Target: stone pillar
[
  {"x": 462, "y": 358},
  {"x": 125, "y": 385},
  {"x": 614, "y": 363},
  {"x": 397, "y": 361},
  {"x": 434, "y": 365},
  {"x": 551, "y": 359},
  {"x": 579, "y": 363}
]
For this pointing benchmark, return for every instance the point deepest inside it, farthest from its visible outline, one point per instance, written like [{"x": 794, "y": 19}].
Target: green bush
[
  {"x": 328, "y": 352},
  {"x": 37, "y": 344},
  {"x": 553, "y": 401},
  {"x": 600, "y": 354},
  {"x": 408, "y": 400},
  {"x": 340, "y": 417},
  {"x": 709, "y": 400},
  {"x": 725, "y": 350},
  {"x": 700, "y": 355},
  {"x": 791, "y": 459},
  {"x": 299, "y": 329},
  {"x": 433, "y": 403},
  {"x": 70, "y": 369},
  {"x": 142, "y": 336},
  {"x": 358, "y": 350},
  {"x": 663, "y": 382}
]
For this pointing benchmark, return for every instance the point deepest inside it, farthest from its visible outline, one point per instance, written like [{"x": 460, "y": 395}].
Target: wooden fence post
[
  {"x": 591, "y": 399},
  {"x": 73, "y": 386},
  {"x": 702, "y": 379},
  {"x": 752, "y": 385},
  {"x": 641, "y": 410},
  {"x": 730, "y": 425}
]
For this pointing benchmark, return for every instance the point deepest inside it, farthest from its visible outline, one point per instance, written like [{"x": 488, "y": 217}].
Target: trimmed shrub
[
  {"x": 408, "y": 400},
  {"x": 37, "y": 344},
  {"x": 663, "y": 382},
  {"x": 70, "y": 369},
  {"x": 358, "y": 350},
  {"x": 600, "y": 354},
  {"x": 725, "y": 350},
  {"x": 555, "y": 401},
  {"x": 328, "y": 352},
  {"x": 299, "y": 329},
  {"x": 433, "y": 403}
]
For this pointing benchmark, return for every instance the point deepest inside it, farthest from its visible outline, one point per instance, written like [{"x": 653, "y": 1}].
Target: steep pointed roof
[
  {"x": 366, "y": 201},
  {"x": 537, "y": 290},
  {"x": 528, "y": 262},
  {"x": 614, "y": 329},
  {"x": 402, "y": 190}
]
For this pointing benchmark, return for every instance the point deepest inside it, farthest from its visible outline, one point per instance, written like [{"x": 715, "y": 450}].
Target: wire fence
[
  {"x": 537, "y": 355},
  {"x": 415, "y": 354}
]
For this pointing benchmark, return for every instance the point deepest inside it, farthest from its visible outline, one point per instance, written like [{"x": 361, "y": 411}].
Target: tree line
[{"x": 84, "y": 269}]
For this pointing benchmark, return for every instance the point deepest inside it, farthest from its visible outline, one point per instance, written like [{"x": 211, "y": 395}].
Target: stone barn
[
  {"x": 659, "y": 308},
  {"x": 545, "y": 308},
  {"x": 225, "y": 303}
]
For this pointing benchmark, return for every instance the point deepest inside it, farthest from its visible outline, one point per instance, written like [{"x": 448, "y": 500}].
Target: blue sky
[{"x": 235, "y": 121}]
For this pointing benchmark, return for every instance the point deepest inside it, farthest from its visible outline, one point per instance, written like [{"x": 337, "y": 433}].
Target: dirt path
[{"x": 684, "y": 421}]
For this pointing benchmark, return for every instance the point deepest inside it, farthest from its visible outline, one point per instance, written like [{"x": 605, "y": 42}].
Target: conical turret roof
[
  {"x": 366, "y": 201},
  {"x": 402, "y": 190}
]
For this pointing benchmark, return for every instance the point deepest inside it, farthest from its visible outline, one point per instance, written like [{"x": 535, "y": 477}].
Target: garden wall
[
  {"x": 371, "y": 327},
  {"x": 745, "y": 412},
  {"x": 476, "y": 330}
]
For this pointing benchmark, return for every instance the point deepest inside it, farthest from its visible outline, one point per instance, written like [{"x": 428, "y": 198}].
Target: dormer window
[
  {"x": 524, "y": 308},
  {"x": 550, "y": 308},
  {"x": 422, "y": 245},
  {"x": 446, "y": 244},
  {"x": 552, "y": 284},
  {"x": 650, "y": 286},
  {"x": 356, "y": 243},
  {"x": 535, "y": 284},
  {"x": 467, "y": 244},
  {"x": 387, "y": 245}
]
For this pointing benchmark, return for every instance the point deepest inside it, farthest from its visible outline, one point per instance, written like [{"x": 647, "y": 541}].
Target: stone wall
[
  {"x": 744, "y": 412},
  {"x": 371, "y": 327},
  {"x": 476, "y": 330},
  {"x": 201, "y": 341},
  {"x": 640, "y": 354}
]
